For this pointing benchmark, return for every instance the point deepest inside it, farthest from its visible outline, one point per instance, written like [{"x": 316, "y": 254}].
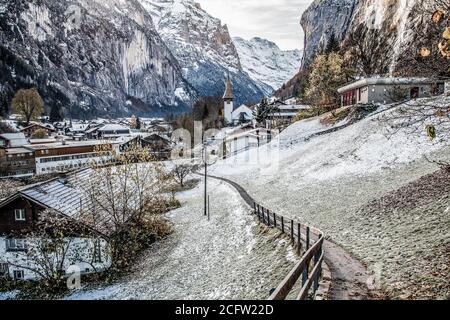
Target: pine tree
[
  {"x": 332, "y": 45},
  {"x": 56, "y": 113},
  {"x": 138, "y": 123},
  {"x": 262, "y": 111}
]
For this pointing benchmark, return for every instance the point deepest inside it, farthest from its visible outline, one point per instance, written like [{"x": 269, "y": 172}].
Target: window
[
  {"x": 16, "y": 245},
  {"x": 18, "y": 274},
  {"x": 20, "y": 214}
]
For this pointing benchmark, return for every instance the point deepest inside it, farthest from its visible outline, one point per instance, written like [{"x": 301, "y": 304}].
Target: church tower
[{"x": 228, "y": 101}]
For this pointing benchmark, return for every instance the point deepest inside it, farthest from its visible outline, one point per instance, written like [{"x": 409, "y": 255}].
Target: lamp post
[{"x": 206, "y": 176}]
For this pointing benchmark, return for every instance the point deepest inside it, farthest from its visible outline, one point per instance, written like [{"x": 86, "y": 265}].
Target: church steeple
[
  {"x": 228, "y": 95},
  {"x": 228, "y": 101}
]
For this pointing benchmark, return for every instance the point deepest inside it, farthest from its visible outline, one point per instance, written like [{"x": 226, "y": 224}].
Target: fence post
[
  {"x": 259, "y": 212},
  {"x": 268, "y": 217},
  {"x": 254, "y": 207},
  {"x": 274, "y": 220},
  {"x": 305, "y": 274},
  {"x": 292, "y": 232},
  {"x": 299, "y": 237},
  {"x": 307, "y": 238},
  {"x": 316, "y": 261},
  {"x": 282, "y": 224}
]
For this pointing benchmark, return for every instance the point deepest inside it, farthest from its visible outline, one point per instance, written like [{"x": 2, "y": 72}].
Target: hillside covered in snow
[
  {"x": 370, "y": 185},
  {"x": 266, "y": 63}
]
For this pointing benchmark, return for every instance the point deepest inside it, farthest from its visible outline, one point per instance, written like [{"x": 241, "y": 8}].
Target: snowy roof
[
  {"x": 15, "y": 139},
  {"x": 68, "y": 144},
  {"x": 70, "y": 196},
  {"x": 44, "y": 126},
  {"x": 386, "y": 81},
  {"x": 113, "y": 127},
  {"x": 17, "y": 150},
  {"x": 79, "y": 127}
]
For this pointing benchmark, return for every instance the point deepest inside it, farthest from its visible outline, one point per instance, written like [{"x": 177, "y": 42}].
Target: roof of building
[
  {"x": 113, "y": 127},
  {"x": 70, "y": 196},
  {"x": 42, "y": 125},
  {"x": 79, "y": 127},
  {"x": 68, "y": 144},
  {"x": 228, "y": 95},
  {"x": 17, "y": 150},
  {"x": 386, "y": 81},
  {"x": 15, "y": 139}
]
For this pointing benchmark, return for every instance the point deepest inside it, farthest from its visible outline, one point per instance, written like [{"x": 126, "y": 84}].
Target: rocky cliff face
[
  {"x": 266, "y": 63},
  {"x": 91, "y": 57},
  {"x": 323, "y": 19},
  {"x": 368, "y": 21},
  {"x": 203, "y": 47}
]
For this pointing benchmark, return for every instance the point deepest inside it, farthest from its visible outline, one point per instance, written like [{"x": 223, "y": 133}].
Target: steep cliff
[
  {"x": 266, "y": 63},
  {"x": 386, "y": 30},
  {"x": 90, "y": 57},
  {"x": 203, "y": 48},
  {"x": 321, "y": 20}
]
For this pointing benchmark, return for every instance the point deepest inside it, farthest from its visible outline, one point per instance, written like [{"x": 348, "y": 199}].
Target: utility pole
[{"x": 206, "y": 180}]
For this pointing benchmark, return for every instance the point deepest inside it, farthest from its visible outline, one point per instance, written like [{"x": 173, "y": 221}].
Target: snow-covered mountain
[
  {"x": 266, "y": 63},
  {"x": 203, "y": 48},
  {"x": 90, "y": 57}
]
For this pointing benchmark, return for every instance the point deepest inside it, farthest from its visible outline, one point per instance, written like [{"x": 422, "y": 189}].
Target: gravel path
[{"x": 229, "y": 257}]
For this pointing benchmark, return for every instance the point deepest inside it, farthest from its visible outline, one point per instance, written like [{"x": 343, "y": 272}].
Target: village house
[
  {"x": 159, "y": 146},
  {"x": 15, "y": 160},
  {"x": 69, "y": 155},
  {"x": 110, "y": 131},
  {"x": 77, "y": 129},
  {"x": 17, "y": 163},
  {"x": 12, "y": 140},
  {"x": 87, "y": 248},
  {"x": 32, "y": 128},
  {"x": 283, "y": 113},
  {"x": 242, "y": 114},
  {"x": 379, "y": 90}
]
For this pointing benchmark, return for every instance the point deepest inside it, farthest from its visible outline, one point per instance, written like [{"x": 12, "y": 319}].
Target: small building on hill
[{"x": 380, "y": 90}]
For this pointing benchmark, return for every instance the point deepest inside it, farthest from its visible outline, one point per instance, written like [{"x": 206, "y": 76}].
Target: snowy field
[
  {"x": 324, "y": 180},
  {"x": 228, "y": 257}
]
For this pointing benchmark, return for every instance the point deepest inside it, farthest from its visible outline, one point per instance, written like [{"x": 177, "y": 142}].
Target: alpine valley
[{"x": 120, "y": 57}]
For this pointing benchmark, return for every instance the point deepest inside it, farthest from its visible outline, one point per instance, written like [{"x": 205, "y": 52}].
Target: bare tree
[
  {"x": 52, "y": 245},
  {"x": 126, "y": 201},
  {"x": 28, "y": 103},
  {"x": 182, "y": 171}
]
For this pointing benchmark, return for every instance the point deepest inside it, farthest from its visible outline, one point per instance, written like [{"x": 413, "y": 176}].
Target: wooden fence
[{"x": 308, "y": 240}]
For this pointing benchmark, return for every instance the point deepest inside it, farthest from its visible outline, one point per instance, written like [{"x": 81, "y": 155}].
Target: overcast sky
[{"x": 275, "y": 20}]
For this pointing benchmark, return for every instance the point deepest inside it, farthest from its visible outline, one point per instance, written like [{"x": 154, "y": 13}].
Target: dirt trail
[{"x": 350, "y": 278}]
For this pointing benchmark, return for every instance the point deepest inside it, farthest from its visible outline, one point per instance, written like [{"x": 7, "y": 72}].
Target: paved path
[{"x": 350, "y": 278}]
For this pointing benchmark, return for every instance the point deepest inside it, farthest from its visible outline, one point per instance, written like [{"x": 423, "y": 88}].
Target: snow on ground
[
  {"x": 229, "y": 257},
  {"x": 9, "y": 295},
  {"x": 325, "y": 179}
]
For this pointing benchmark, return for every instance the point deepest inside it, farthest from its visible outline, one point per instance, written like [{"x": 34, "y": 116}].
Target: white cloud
[{"x": 275, "y": 20}]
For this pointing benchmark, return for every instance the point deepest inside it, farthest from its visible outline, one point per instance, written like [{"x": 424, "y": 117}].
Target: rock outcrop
[{"x": 89, "y": 57}]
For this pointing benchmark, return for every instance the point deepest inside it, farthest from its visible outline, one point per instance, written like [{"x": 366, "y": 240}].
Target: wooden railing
[{"x": 309, "y": 268}]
